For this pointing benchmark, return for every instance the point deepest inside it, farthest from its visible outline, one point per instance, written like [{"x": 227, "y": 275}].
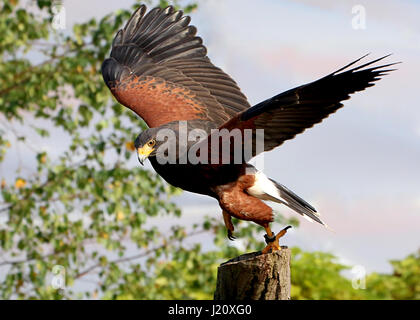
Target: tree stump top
[{"x": 255, "y": 276}]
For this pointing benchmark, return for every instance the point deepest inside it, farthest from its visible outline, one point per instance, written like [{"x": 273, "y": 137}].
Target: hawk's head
[{"x": 146, "y": 144}]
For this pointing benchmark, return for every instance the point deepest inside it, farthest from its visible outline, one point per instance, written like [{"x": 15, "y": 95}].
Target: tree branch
[{"x": 134, "y": 257}]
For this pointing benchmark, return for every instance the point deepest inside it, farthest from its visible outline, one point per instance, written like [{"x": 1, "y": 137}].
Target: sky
[{"x": 361, "y": 167}]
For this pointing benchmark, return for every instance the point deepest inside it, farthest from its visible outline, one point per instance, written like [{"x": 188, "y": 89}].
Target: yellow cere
[{"x": 145, "y": 150}]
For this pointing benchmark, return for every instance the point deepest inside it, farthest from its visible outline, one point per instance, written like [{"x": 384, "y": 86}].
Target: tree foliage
[
  {"x": 80, "y": 205},
  {"x": 318, "y": 275}
]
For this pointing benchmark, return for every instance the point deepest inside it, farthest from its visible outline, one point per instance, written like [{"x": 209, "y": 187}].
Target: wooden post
[{"x": 255, "y": 276}]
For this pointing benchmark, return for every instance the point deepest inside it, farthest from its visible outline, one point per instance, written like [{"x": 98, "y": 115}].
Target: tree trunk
[{"x": 255, "y": 276}]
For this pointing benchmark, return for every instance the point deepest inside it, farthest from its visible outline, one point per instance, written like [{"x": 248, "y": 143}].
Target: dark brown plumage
[{"x": 159, "y": 69}]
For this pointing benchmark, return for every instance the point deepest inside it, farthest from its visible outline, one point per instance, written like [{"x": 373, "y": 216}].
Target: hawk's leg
[
  {"x": 272, "y": 240},
  {"x": 229, "y": 226}
]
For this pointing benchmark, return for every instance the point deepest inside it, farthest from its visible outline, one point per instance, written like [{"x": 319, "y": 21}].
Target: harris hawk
[{"x": 159, "y": 69}]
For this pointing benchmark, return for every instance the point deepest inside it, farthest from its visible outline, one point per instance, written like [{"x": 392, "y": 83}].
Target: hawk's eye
[{"x": 151, "y": 143}]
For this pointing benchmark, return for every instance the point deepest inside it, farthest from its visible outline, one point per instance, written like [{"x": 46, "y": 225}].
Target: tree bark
[{"x": 255, "y": 276}]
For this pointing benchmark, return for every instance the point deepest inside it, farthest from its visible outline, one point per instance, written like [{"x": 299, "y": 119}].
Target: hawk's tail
[
  {"x": 268, "y": 189},
  {"x": 296, "y": 203}
]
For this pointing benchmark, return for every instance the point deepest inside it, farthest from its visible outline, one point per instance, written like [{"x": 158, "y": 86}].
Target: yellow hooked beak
[{"x": 144, "y": 152}]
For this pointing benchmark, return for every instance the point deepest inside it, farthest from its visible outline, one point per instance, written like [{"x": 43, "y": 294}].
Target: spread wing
[
  {"x": 291, "y": 112},
  {"x": 159, "y": 69}
]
